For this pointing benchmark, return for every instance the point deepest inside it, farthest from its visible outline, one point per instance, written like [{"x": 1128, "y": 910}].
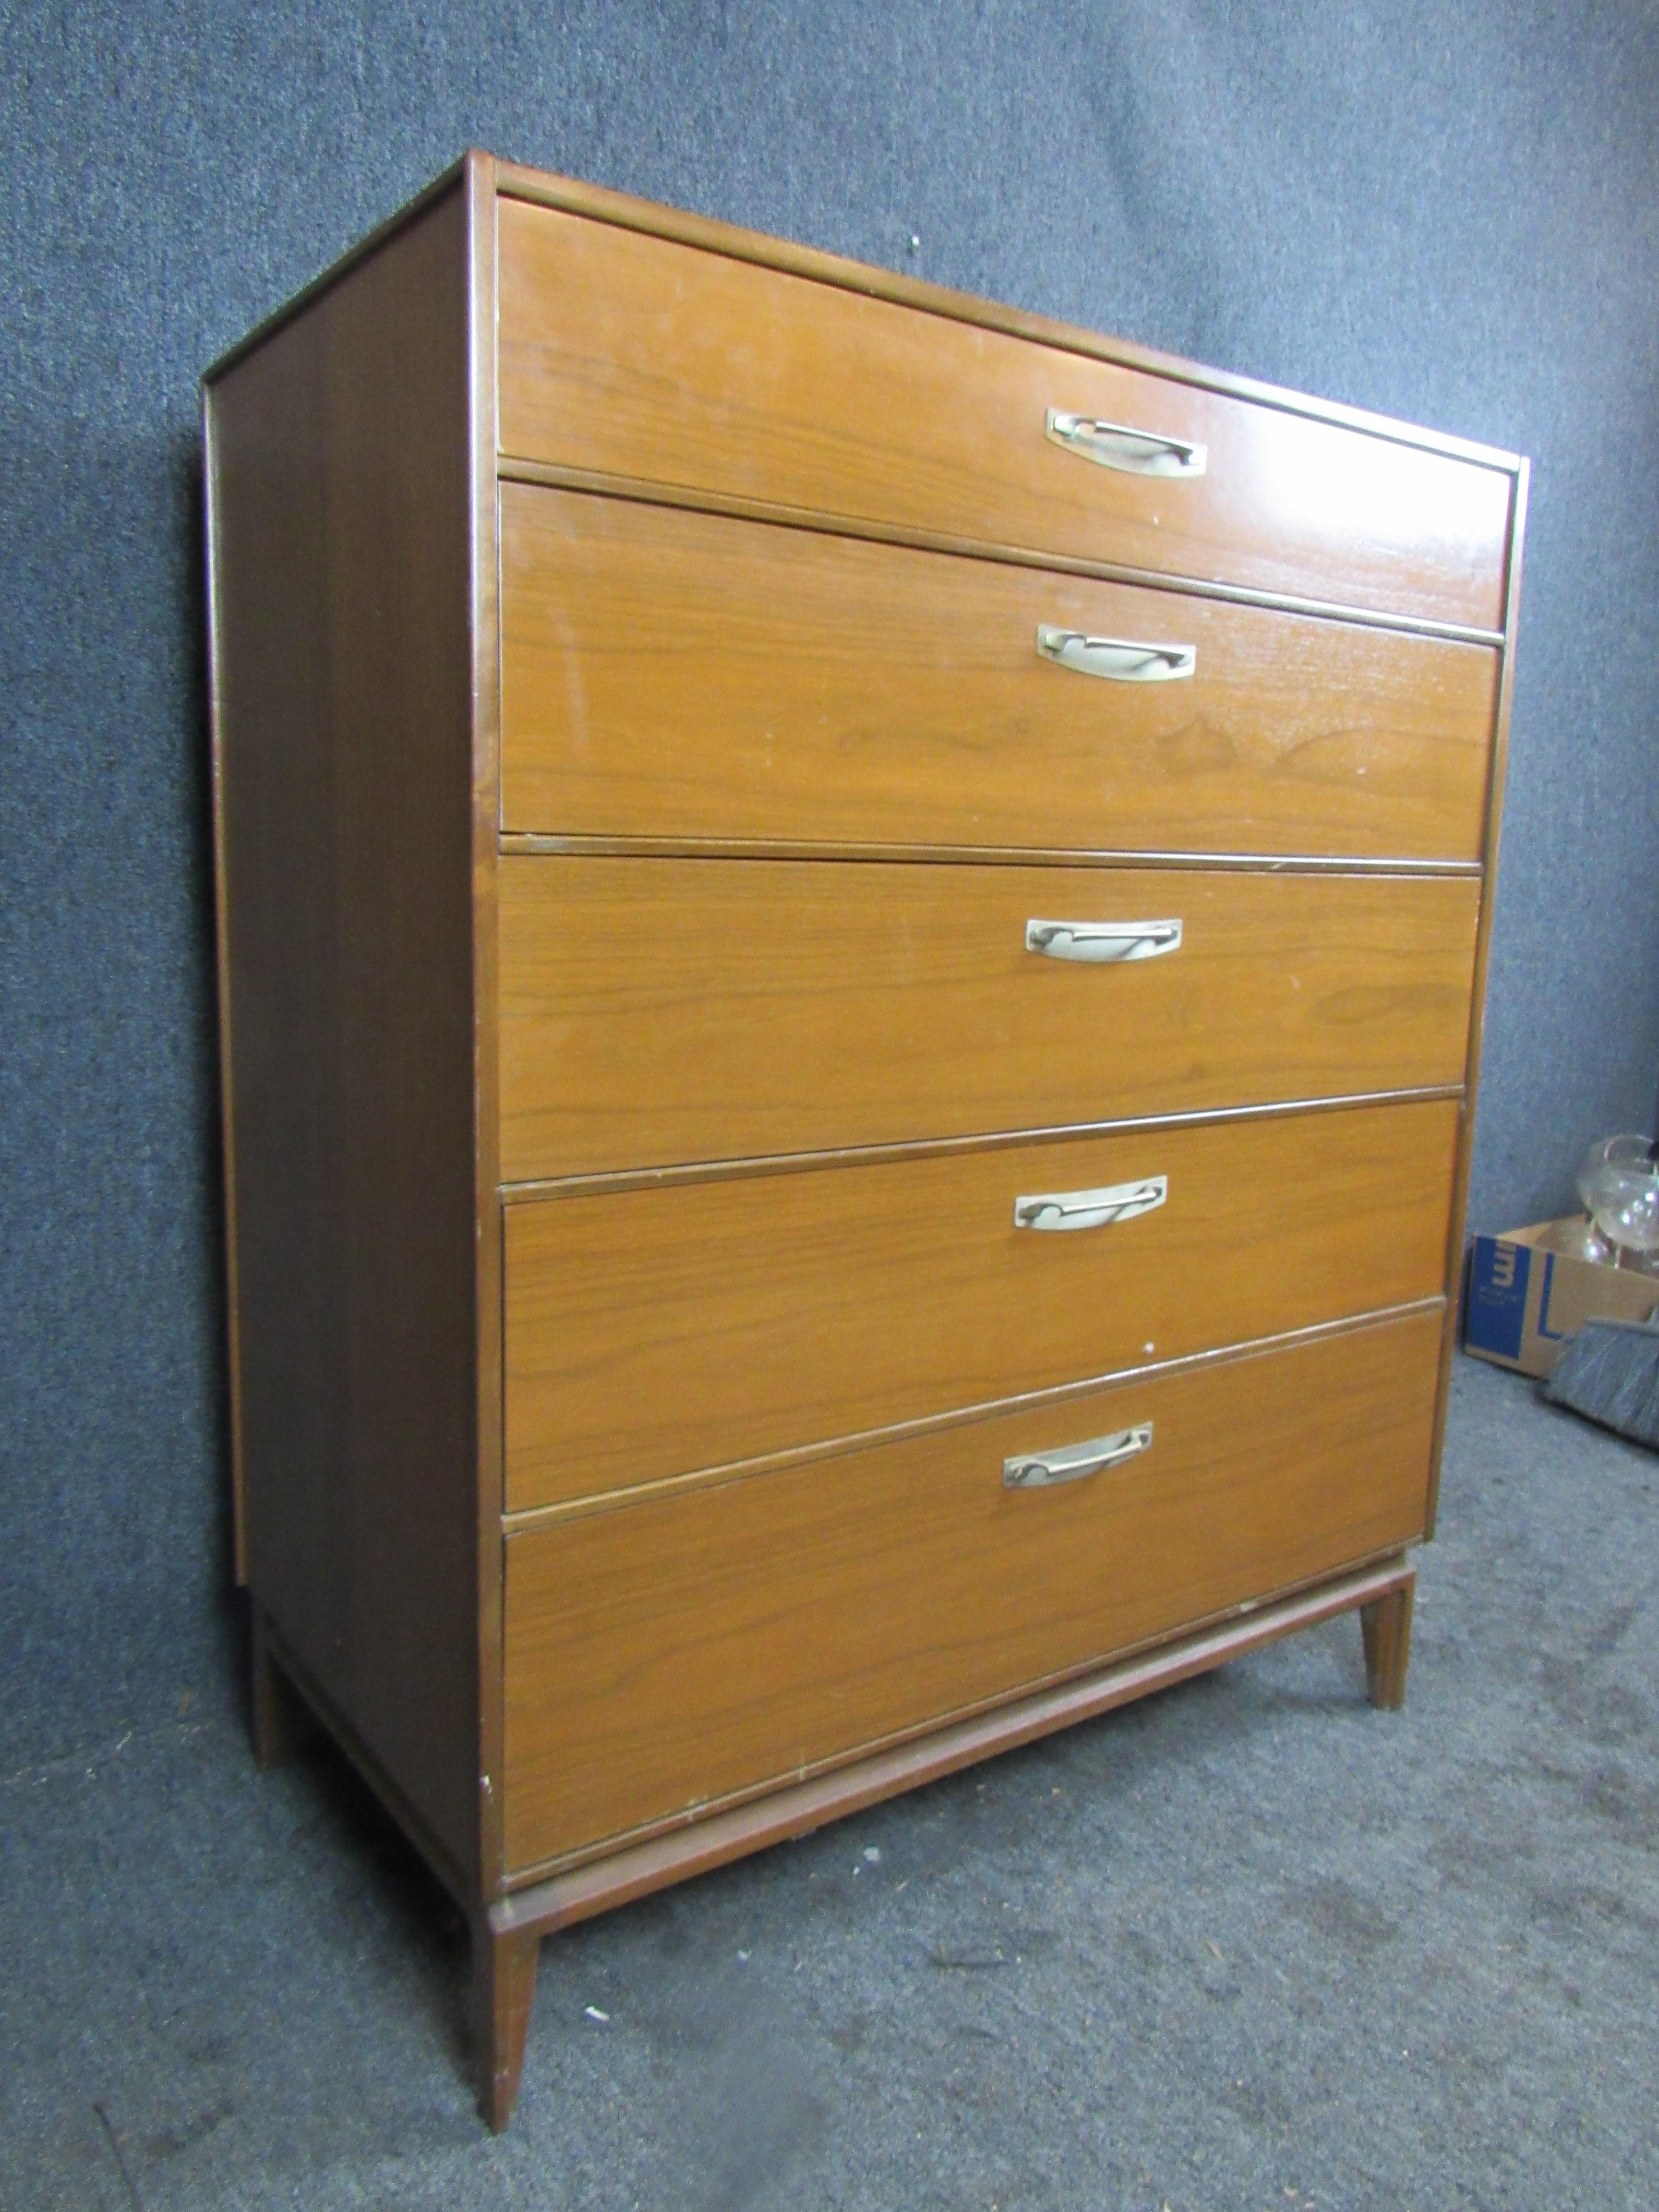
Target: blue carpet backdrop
[{"x": 1447, "y": 210}]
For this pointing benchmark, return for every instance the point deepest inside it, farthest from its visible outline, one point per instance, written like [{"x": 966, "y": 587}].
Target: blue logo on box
[{"x": 1497, "y": 1296}]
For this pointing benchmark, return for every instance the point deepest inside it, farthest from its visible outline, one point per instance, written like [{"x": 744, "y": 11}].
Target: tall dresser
[{"x": 851, "y": 932}]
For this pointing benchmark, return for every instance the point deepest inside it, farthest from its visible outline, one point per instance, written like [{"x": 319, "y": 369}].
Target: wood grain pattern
[
  {"x": 628, "y": 354},
  {"x": 627, "y": 211},
  {"x": 343, "y": 677},
  {"x": 657, "y": 1011},
  {"x": 558, "y": 1893},
  {"x": 773, "y": 535},
  {"x": 666, "y": 673},
  {"x": 484, "y": 576},
  {"x": 1386, "y": 1628},
  {"x": 504, "y": 1963},
  {"x": 557, "y": 476},
  {"x": 652, "y": 1332},
  {"x": 670, "y": 1653}
]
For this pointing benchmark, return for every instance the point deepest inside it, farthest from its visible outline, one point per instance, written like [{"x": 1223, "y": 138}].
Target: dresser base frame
[
  {"x": 506, "y": 1935},
  {"x": 286, "y": 1705}
]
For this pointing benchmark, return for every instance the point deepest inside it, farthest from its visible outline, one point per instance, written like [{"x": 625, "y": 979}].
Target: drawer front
[
  {"x": 660, "y": 1010},
  {"x": 646, "y": 359},
  {"x": 666, "y": 1653},
  {"x": 670, "y": 674},
  {"x": 655, "y": 1331}
]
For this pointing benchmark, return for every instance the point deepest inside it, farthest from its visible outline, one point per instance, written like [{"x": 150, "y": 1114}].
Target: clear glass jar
[{"x": 1618, "y": 1183}]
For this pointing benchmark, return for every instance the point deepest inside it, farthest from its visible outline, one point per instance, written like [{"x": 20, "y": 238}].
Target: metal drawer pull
[
  {"x": 1043, "y": 1470},
  {"x": 1103, "y": 940},
  {"x": 1091, "y": 1209},
  {"x": 1116, "y": 445},
  {"x": 1121, "y": 660}
]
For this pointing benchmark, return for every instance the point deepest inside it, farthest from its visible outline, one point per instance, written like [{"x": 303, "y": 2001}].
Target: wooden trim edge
[
  {"x": 1494, "y": 823},
  {"x": 222, "y": 949},
  {"x": 635, "y": 1871},
  {"x": 479, "y": 283},
  {"x": 583, "y": 846}
]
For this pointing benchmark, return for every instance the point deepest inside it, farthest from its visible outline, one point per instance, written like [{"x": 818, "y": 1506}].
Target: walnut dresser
[{"x": 851, "y": 933}]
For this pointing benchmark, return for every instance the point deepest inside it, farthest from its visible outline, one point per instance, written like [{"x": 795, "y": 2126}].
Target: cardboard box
[{"x": 1522, "y": 1304}]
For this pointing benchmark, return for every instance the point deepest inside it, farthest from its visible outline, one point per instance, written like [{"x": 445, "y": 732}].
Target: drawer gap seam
[
  {"x": 671, "y": 1174},
  {"x": 514, "y": 468},
  {"x": 530, "y": 1517}
]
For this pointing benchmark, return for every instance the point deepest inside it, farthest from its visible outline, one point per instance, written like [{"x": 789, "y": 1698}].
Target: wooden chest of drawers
[{"x": 851, "y": 930}]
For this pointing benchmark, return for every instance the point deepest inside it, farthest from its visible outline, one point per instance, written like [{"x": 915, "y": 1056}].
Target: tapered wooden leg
[
  {"x": 503, "y": 1989},
  {"x": 282, "y": 1721},
  {"x": 1386, "y": 1626}
]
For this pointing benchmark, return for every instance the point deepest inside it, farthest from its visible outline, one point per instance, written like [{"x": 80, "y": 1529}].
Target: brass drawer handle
[
  {"x": 1043, "y": 1470},
  {"x": 1103, "y": 940},
  {"x": 1116, "y": 446},
  {"x": 1120, "y": 659},
  {"x": 1091, "y": 1209}
]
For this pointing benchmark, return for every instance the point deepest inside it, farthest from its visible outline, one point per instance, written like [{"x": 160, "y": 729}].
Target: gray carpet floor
[{"x": 1246, "y": 1945}]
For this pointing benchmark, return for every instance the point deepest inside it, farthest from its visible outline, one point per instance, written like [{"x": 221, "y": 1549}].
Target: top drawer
[{"x": 638, "y": 357}]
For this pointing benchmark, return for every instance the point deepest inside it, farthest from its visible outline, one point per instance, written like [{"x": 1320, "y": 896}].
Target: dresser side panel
[
  {"x": 479, "y": 186},
  {"x": 343, "y": 673},
  {"x": 1497, "y": 769}
]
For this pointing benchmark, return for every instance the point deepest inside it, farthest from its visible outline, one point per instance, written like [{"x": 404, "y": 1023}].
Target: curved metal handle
[
  {"x": 1043, "y": 1470},
  {"x": 1091, "y": 1209},
  {"x": 1117, "y": 446},
  {"x": 1103, "y": 940},
  {"x": 1123, "y": 659}
]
